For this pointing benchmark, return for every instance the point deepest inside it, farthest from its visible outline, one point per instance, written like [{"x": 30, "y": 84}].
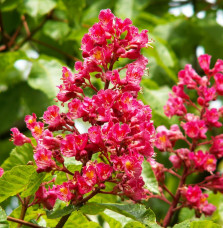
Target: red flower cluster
[
  {"x": 121, "y": 132},
  {"x": 195, "y": 126}
]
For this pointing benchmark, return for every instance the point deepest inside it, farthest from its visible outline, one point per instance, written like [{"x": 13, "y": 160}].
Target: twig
[
  {"x": 33, "y": 32},
  {"x": 167, "y": 190},
  {"x": 22, "y": 222},
  {"x": 55, "y": 49},
  {"x": 12, "y": 40},
  {"x": 25, "y": 24}
]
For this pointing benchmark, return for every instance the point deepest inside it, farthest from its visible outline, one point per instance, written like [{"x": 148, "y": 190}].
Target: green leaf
[
  {"x": 184, "y": 224},
  {"x": 129, "y": 8},
  {"x": 77, "y": 219},
  {"x": 136, "y": 212},
  {"x": 156, "y": 99},
  {"x": 186, "y": 213},
  {"x": 149, "y": 178},
  {"x": 3, "y": 219},
  {"x": 204, "y": 223},
  {"x": 9, "y": 114},
  {"x": 134, "y": 225},
  {"x": 92, "y": 208},
  {"x": 74, "y": 9},
  {"x": 9, "y": 74},
  {"x": 15, "y": 181},
  {"x": 56, "y": 30},
  {"x": 60, "y": 209},
  {"x": 45, "y": 75},
  {"x": 8, "y": 5},
  {"x": 114, "y": 223},
  {"x": 36, "y": 8},
  {"x": 34, "y": 183},
  {"x": 20, "y": 155}
]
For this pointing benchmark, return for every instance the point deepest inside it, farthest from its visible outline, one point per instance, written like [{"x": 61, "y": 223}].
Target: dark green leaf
[
  {"x": 60, "y": 209},
  {"x": 149, "y": 178},
  {"x": 20, "y": 155},
  {"x": 15, "y": 181},
  {"x": 92, "y": 208},
  {"x": 8, "y": 5}
]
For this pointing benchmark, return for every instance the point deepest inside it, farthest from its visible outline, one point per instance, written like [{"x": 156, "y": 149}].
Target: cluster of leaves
[{"x": 43, "y": 36}]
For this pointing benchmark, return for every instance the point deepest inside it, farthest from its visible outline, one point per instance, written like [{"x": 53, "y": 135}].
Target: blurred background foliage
[{"x": 38, "y": 37}]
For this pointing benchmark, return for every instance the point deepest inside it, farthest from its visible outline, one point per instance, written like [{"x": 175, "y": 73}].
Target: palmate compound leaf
[
  {"x": 15, "y": 180},
  {"x": 149, "y": 178}
]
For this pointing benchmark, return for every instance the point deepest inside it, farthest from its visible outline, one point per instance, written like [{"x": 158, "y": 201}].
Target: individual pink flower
[
  {"x": 52, "y": 117},
  {"x": 89, "y": 174},
  {"x": 179, "y": 91},
  {"x": 81, "y": 141},
  {"x": 162, "y": 141},
  {"x": 82, "y": 183},
  {"x": 204, "y": 61},
  {"x": 74, "y": 109},
  {"x": 64, "y": 192},
  {"x": 174, "y": 106},
  {"x": 218, "y": 67},
  {"x": 188, "y": 77},
  {"x": 43, "y": 159},
  {"x": 133, "y": 188},
  {"x": 217, "y": 146},
  {"x": 176, "y": 161},
  {"x": 30, "y": 120},
  {"x": 120, "y": 132},
  {"x": 195, "y": 129},
  {"x": 68, "y": 147},
  {"x": 193, "y": 195},
  {"x": 211, "y": 117},
  {"x": 219, "y": 83},
  {"x": 1, "y": 171},
  {"x": 47, "y": 198},
  {"x": 103, "y": 171},
  {"x": 18, "y": 138}
]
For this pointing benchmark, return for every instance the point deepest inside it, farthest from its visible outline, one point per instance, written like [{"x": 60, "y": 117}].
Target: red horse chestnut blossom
[
  {"x": 201, "y": 152},
  {"x": 122, "y": 132}
]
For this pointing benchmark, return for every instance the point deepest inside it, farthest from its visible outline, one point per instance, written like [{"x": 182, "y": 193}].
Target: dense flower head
[
  {"x": 190, "y": 100},
  {"x": 198, "y": 200},
  {"x": 121, "y": 132}
]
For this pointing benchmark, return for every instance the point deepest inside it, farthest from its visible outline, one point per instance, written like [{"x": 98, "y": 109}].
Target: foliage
[{"x": 37, "y": 38}]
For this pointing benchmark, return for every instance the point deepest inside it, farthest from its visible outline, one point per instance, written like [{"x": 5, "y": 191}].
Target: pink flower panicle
[
  {"x": 122, "y": 131},
  {"x": 194, "y": 131}
]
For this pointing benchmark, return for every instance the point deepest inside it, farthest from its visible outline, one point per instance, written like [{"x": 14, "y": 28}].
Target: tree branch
[
  {"x": 55, "y": 49},
  {"x": 32, "y": 33},
  {"x": 11, "y": 219}
]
